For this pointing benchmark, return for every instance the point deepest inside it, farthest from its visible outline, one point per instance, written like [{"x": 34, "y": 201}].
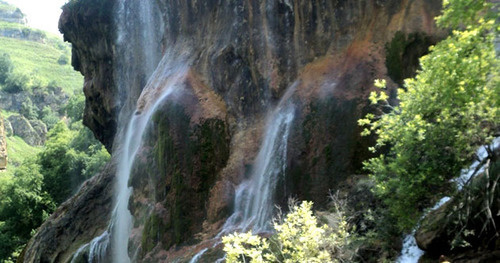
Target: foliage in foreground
[
  {"x": 445, "y": 112},
  {"x": 298, "y": 239}
]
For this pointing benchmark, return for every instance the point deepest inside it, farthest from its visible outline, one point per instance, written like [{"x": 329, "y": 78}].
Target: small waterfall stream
[
  {"x": 411, "y": 253},
  {"x": 254, "y": 197}
]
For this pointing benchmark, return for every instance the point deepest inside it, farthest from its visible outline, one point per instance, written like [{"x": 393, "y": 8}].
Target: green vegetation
[
  {"x": 69, "y": 158},
  {"x": 449, "y": 109},
  {"x": 23, "y": 207},
  {"x": 6, "y": 67},
  {"x": 44, "y": 178},
  {"x": 6, "y": 7},
  {"x": 35, "y": 67},
  {"x": 298, "y": 238},
  {"x": 18, "y": 150}
]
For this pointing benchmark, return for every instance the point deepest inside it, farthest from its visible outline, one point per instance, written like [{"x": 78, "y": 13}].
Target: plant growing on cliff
[
  {"x": 298, "y": 238},
  {"x": 445, "y": 112}
]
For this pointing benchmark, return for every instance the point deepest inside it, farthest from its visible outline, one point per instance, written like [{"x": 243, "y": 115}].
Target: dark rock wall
[
  {"x": 243, "y": 55},
  {"x": 88, "y": 26}
]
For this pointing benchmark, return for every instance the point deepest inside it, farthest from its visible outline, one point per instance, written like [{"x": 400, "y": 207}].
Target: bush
[
  {"x": 17, "y": 82},
  {"x": 449, "y": 109},
  {"x": 6, "y": 67},
  {"x": 63, "y": 60},
  {"x": 49, "y": 117},
  {"x": 28, "y": 110},
  {"x": 298, "y": 239}
]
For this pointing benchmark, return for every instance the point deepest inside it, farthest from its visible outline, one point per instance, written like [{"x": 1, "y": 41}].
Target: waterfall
[
  {"x": 254, "y": 198},
  {"x": 411, "y": 253},
  {"x": 122, "y": 219},
  {"x": 121, "y": 224},
  {"x": 138, "y": 49}
]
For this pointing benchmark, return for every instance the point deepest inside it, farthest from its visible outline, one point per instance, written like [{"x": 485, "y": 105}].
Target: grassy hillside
[
  {"x": 18, "y": 150},
  {"x": 40, "y": 60},
  {"x": 41, "y": 55}
]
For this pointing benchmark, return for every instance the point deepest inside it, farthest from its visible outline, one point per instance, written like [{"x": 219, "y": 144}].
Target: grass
[
  {"x": 40, "y": 60},
  {"x": 18, "y": 150}
]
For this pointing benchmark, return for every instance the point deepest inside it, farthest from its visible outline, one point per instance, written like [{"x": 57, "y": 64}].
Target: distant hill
[
  {"x": 41, "y": 62},
  {"x": 36, "y": 52}
]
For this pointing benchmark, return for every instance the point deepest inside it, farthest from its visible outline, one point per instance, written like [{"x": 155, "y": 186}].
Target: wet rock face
[{"x": 187, "y": 144}]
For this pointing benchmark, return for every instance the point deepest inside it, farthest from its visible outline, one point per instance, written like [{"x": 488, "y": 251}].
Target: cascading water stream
[
  {"x": 254, "y": 199},
  {"x": 411, "y": 253}
]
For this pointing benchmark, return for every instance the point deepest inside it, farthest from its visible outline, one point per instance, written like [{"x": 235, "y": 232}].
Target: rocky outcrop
[
  {"x": 242, "y": 56},
  {"x": 3, "y": 145},
  {"x": 8, "y": 128},
  {"x": 11, "y": 14},
  {"x": 33, "y": 132},
  {"x": 88, "y": 25}
]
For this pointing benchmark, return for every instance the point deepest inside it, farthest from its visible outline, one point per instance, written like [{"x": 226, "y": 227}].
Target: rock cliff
[
  {"x": 243, "y": 56},
  {"x": 3, "y": 145}
]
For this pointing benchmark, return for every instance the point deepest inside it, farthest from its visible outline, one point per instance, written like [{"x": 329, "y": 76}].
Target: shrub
[
  {"x": 16, "y": 82},
  {"x": 298, "y": 238},
  {"x": 448, "y": 110},
  {"x": 63, "y": 60},
  {"x": 6, "y": 67}
]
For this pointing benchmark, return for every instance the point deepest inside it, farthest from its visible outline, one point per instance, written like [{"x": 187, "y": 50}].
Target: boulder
[
  {"x": 41, "y": 129},
  {"x": 22, "y": 127}
]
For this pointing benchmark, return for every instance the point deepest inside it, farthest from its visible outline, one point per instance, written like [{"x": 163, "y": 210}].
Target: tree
[
  {"x": 23, "y": 207},
  {"x": 449, "y": 109},
  {"x": 75, "y": 106},
  {"x": 298, "y": 239},
  {"x": 69, "y": 158},
  {"x": 6, "y": 67}
]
